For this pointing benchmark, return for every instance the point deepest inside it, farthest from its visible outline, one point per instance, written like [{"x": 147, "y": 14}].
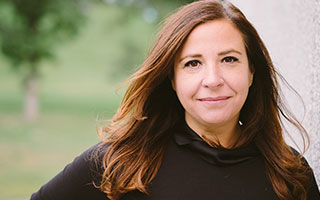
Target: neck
[{"x": 224, "y": 135}]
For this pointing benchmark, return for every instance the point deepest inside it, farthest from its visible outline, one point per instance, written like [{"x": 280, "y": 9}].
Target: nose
[{"x": 212, "y": 77}]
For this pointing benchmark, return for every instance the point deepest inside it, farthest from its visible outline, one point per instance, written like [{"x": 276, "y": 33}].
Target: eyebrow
[
  {"x": 229, "y": 51},
  {"x": 219, "y": 54},
  {"x": 190, "y": 55}
]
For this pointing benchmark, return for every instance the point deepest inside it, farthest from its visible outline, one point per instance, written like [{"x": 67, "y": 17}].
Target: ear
[
  {"x": 173, "y": 84},
  {"x": 251, "y": 79}
]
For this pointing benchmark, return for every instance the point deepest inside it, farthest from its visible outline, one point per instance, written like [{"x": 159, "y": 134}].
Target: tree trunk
[{"x": 31, "y": 104}]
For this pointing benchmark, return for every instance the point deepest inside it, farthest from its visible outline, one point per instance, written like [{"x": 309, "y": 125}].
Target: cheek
[
  {"x": 240, "y": 83},
  {"x": 185, "y": 87},
  {"x": 182, "y": 88}
]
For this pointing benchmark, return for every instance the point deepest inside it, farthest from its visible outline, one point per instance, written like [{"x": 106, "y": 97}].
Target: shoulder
[
  {"x": 313, "y": 190},
  {"x": 305, "y": 167},
  {"x": 77, "y": 179},
  {"x": 88, "y": 164},
  {"x": 301, "y": 157}
]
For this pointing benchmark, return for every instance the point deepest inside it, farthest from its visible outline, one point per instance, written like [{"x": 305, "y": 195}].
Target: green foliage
[
  {"x": 161, "y": 7},
  {"x": 31, "y": 29},
  {"x": 135, "y": 22}
]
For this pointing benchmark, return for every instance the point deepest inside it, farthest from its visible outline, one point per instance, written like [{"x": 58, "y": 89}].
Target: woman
[{"x": 200, "y": 120}]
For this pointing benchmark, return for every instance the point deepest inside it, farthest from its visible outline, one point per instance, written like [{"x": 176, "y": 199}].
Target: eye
[
  {"x": 230, "y": 59},
  {"x": 193, "y": 63}
]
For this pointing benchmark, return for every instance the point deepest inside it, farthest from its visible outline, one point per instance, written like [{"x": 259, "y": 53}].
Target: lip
[
  {"x": 214, "y": 99},
  {"x": 220, "y": 100}
]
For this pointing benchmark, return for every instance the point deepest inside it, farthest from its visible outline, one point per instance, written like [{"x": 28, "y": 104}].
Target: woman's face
[{"x": 212, "y": 75}]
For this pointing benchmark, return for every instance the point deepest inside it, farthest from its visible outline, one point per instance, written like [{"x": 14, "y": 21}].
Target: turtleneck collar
[{"x": 185, "y": 136}]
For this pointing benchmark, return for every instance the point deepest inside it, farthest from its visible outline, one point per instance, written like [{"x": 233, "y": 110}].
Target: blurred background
[{"x": 62, "y": 62}]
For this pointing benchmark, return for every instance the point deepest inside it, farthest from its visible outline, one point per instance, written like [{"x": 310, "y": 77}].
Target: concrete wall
[{"x": 291, "y": 32}]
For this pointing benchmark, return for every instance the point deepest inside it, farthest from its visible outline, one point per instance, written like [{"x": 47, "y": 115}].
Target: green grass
[
  {"x": 32, "y": 153},
  {"x": 74, "y": 91}
]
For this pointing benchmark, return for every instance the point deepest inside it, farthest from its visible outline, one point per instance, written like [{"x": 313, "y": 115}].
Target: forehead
[{"x": 219, "y": 34}]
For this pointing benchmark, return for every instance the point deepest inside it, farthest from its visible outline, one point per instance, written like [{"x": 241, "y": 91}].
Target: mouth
[
  {"x": 220, "y": 98},
  {"x": 214, "y": 100}
]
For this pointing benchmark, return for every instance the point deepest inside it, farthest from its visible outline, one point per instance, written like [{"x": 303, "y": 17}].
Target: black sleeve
[{"x": 74, "y": 182}]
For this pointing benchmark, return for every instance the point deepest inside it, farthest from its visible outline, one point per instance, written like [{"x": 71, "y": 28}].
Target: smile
[{"x": 214, "y": 100}]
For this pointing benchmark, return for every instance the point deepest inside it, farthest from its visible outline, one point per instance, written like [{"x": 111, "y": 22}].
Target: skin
[{"x": 212, "y": 79}]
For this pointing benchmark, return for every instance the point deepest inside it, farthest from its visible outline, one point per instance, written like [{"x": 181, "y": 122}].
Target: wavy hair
[{"x": 137, "y": 137}]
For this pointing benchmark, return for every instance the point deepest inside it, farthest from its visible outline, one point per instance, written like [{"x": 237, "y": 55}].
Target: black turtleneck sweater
[{"x": 190, "y": 170}]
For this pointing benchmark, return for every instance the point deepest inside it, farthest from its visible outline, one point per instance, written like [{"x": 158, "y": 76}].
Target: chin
[{"x": 216, "y": 121}]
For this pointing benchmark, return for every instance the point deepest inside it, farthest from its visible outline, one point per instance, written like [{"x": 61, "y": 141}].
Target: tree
[
  {"x": 30, "y": 30},
  {"x": 136, "y": 14}
]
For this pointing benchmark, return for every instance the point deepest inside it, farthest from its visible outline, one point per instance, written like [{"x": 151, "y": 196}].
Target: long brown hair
[{"x": 137, "y": 137}]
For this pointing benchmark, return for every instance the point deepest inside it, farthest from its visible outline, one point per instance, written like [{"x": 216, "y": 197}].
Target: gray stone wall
[{"x": 291, "y": 32}]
